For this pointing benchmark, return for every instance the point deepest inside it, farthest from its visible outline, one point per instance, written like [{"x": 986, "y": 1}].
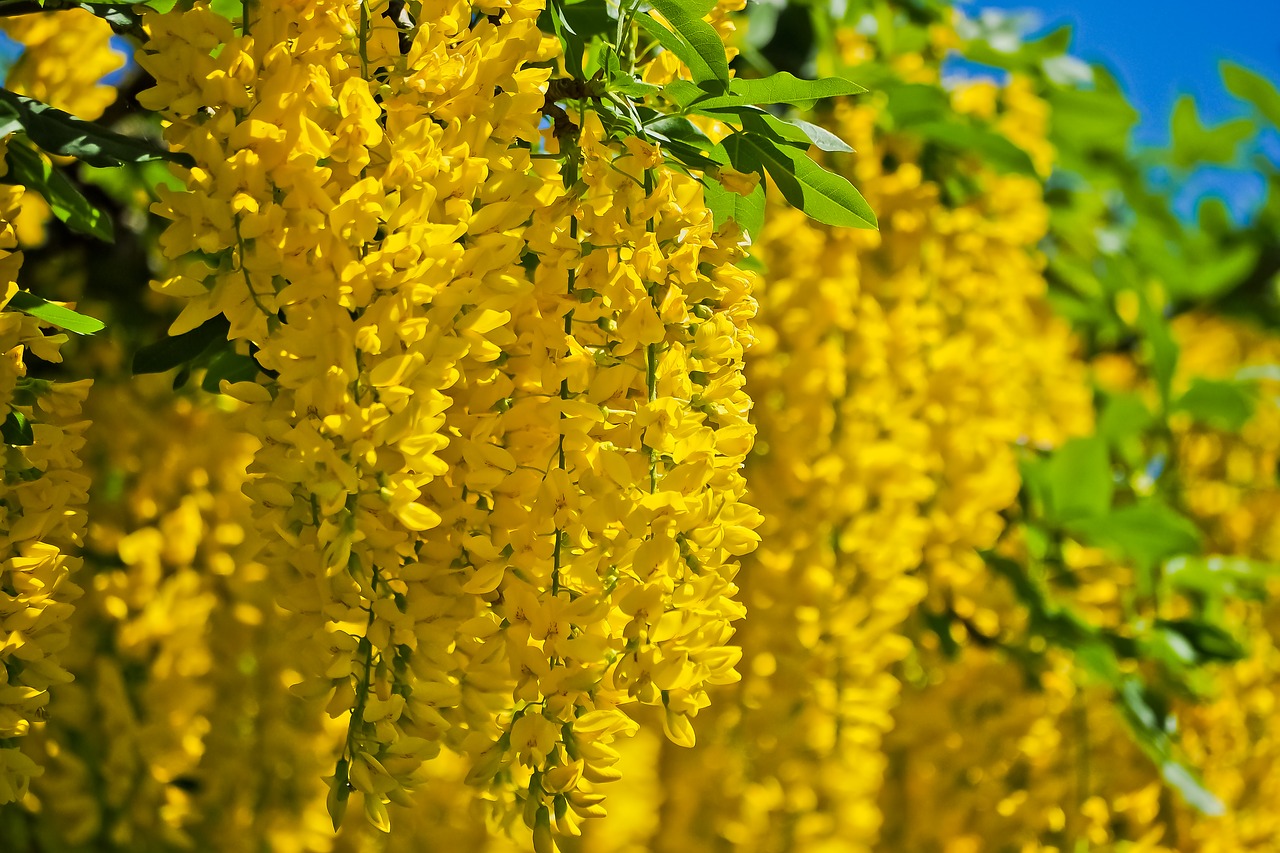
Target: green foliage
[
  {"x": 692, "y": 39},
  {"x": 1254, "y": 88},
  {"x": 825, "y": 196},
  {"x": 1226, "y": 405},
  {"x": 603, "y": 41},
  {"x": 60, "y": 133},
  {"x": 1196, "y": 145},
  {"x": 171, "y": 352},
  {"x": 54, "y": 314},
  {"x": 29, "y": 168},
  {"x": 16, "y": 430}
]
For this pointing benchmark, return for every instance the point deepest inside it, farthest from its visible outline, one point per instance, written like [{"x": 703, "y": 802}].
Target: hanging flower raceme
[
  {"x": 604, "y": 449},
  {"x": 41, "y": 516},
  {"x": 894, "y": 372}
]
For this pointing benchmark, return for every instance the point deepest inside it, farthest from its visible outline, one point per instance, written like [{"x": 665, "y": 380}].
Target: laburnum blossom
[
  {"x": 499, "y": 478},
  {"x": 42, "y": 517},
  {"x": 612, "y": 425},
  {"x": 335, "y": 204},
  {"x": 894, "y": 372}
]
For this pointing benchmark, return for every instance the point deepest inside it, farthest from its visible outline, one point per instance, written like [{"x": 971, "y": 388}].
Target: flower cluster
[
  {"x": 895, "y": 370},
  {"x": 500, "y": 404},
  {"x": 42, "y": 516}
]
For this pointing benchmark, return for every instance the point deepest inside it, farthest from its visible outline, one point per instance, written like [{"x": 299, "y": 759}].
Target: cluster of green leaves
[
  {"x": 602, "y": 41},
  {"x": 798, "y": 37}
]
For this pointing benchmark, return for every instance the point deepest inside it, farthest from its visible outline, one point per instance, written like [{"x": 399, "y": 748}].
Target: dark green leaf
[
  {"x": 55, "y": 315},
  {"x": 683, "y": 141},
  {"x": 696, "y": 42},
  {"x": 16, "y": 430},
  {"x": 31, "y": 169},
  {"x": 1223, "y": 404},
  {"x": 168, "y": 353},
  {"x": 58, "y": 132},
  {"x": 576, "y": 24},
  {"x": 1211, "y": 642},
  {"x": 231, "y": 366},
  {"x": 823, "y": 195},
  {"x": 678, "y": 129}
]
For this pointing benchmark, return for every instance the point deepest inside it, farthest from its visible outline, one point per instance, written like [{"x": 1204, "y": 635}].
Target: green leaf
[
  {"x": 780, "y": 88},
  {"x": 1146, "y": 533},
  {"x": 1078, "y": 481},
  {"x": 31, "y": 169},
  {"x": 820, "y": 136},
  {"x": 686, "y": 142},
  {"x": 1090, "y": 118},
  {"x": 1209, "y": 278},
  {"x": 914, "y": 103},
  {"x": 747, "y": 211},
  {"x": 1220, "y": 575},
  {"x": 58, "y": 132},
  {"x": 16, "y": 430},
  {"x": 1028, "y": 53},
  {"x": 55, "y": 315},
  {"x": 576, "y": 24},
  {"x": 1195, "y": 145},
  {"x": 168, "y": 353},
  {"x": 231, "y": 366},
  {"x": 1219, "y": 403},
  {"x": 1123, "y": 416},
  {"x": 696, "y": 42},
  {"x": 1150, "y": 726},
  {"x": 1254, "y": 88},
  {"x": 964, "y": 138},
  {"x": 803, "y": 133},
  {"x": 823, "y": 195}
]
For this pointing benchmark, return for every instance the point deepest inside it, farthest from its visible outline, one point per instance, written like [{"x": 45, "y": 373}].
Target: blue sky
[{"x": 1160, "y": 49}]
